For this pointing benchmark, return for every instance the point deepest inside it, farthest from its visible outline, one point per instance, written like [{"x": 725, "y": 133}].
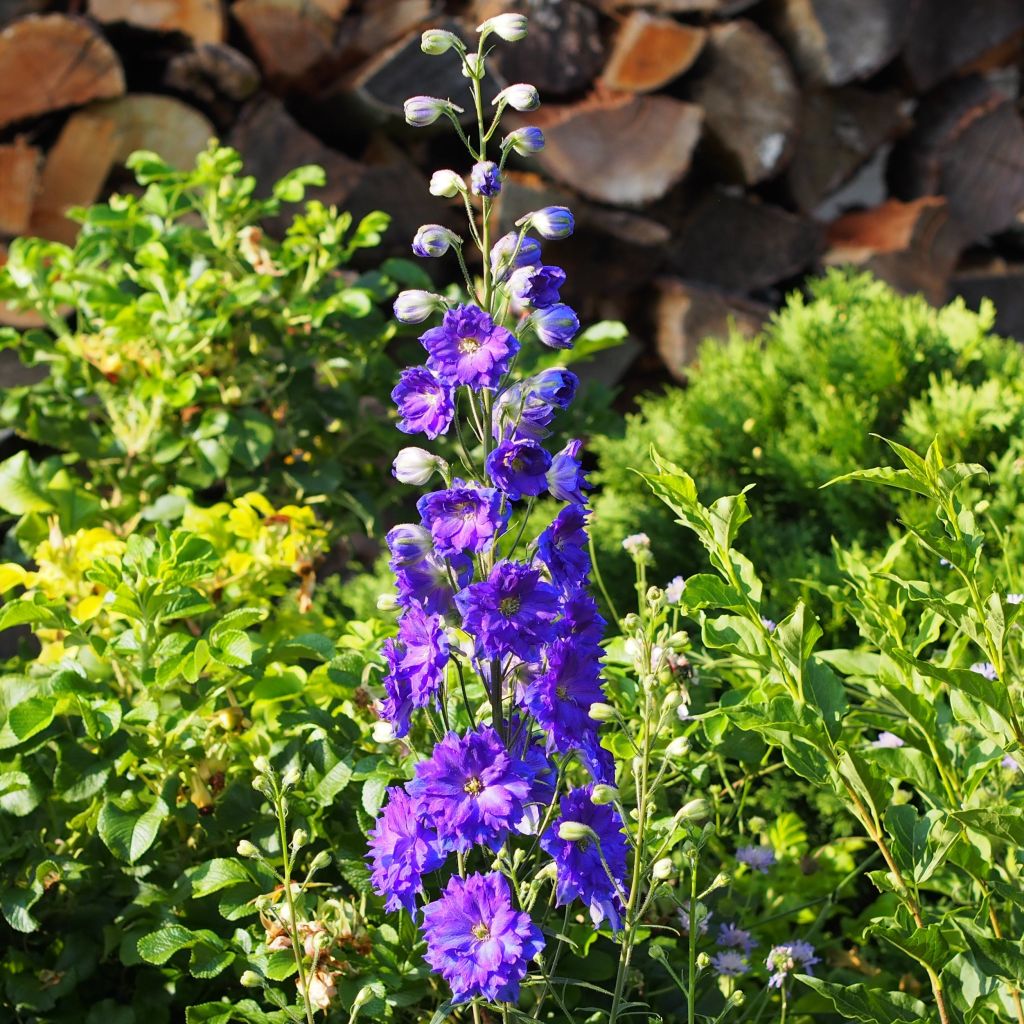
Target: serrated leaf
[
  {"x": 870, "y": 1005},
  {"x": 129, "y": 834},
  {"x": 158, "y": 947},
  {"x": 215, "y": 875},
  {"x": 31, "y": 716}
]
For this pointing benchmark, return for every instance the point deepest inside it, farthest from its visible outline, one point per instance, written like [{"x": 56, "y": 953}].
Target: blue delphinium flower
[
  {"x": 519, "y": 468},
  {"x": 555, "y": 325},
  {"x": 510, "y": 252},
  {"x": 472, "y": 790},
  {"x": 513, "y": 611},
  {"x": 537, "y": 286},
  {"x": 485, "y": 179},
  {"x": 433, "y": 240},
  {"x": 477, "y": 941},
  {"x": 760, "y": 858},
  {"x": 424, "y": 401},
  {"x": 562, "y": 547},
  {"x": 524, "y": 141},
  {"x": 580, "y": 872},
  {"x": 464, "y": 517},
  {"x": 566, "y": 479},
  {"x": 784, "y": 960},
  {"x": 402, "y": 851},
  {"x": 469, "y": 348},
  {"x": 553, "y": 222}
]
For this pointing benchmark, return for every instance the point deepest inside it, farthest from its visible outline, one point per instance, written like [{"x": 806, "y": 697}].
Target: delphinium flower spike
[{"x": 498, "y": 652}]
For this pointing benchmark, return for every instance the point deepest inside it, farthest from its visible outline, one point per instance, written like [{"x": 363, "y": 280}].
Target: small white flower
[
  {"x": 415, "y": 466},
  {"x": 637, "y": 542},
  {"x": 674, "y": 590}
]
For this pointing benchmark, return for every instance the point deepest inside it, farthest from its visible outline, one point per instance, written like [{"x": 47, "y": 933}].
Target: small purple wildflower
[
  {"x": 731, "y": 936},
  {"x": 471, "y": 789},
  {"x": 402, "y": 851},
  {"x": 784, "y": 960},
  {"x": 770, "y": 624},
  {"x": 469, "y": 348},
  {"x": 464, "y": 517},
  {"x": 478, "y": 942},
  {"x": 1010, "y": 763},
  {"x": 675, "y": 589},
  {"x": 424, "y": 402},
  {"x": 985, "y": 669},
  {"x": 729, "y": 964},
  {"x": 703, "y": 919},
  {"x": 760, "y": 858}
]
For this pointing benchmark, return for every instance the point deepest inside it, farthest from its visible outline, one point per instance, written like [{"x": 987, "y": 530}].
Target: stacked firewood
[{"x": 715, "y": 151}]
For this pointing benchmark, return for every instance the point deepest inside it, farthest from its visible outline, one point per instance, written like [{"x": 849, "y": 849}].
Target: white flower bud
[
  {"x": 436, "y": 41},
  {"x": 695, "y": 810},
  {"x": 510, "y": 27},
  {"x": 663, "y": 869},
  {"x": 423, "y": 110},
  {"x": 299, "y": 838},
  {"x": 250, "y": 979},
  {"x": 291, "y": 777},
  {"x": 679, "y": 747},
  {"x": 246, "y": 849},
  {"x": 382, "y": 732},
  {"x": 415, "y": 466},
  {"x": 473, "y": 66},
  {"x": 261, "y": 764},
  {"x": 604, "y": 794},
  {"x": 520, "y": 97},
  {"x": 446, "y": 184},
  {"x": 413, "y": 306},
  {"x": 602, "y": 712},
  {"x": 574, "y": 831}
]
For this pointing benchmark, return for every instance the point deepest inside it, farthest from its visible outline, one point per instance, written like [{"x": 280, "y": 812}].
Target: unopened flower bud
[
  {"x": 510, "y": 27},
  {"x": 604, "y": 794},
  {"x": 433, "y": 240},
  {"x": 246, "y": 849},
  {"x": 321, "y": 860},
  {"x": 261, "y": 764},
  {"x": 299, "y": 838},
  {"x": 473, "y": 66},
  {"x": 387, "y": 602},
  {"x": 552, "y": 221},
  {"x": 423, "y": 110},
  {"x": 485, "y": 179},
  {"x": 555, "y": 325},
  {"x": 524, "y": 141},
  {"x": 413, "y": 306},
  {"x": 291, "y": 777},
  {"x": 655, "y": 597},
  {"x": 737, "y": 998},
  {"x": 415, "y": 466},
  {"x": 695, "y": 810},
  {"x": 520, "y": 97},
  {"x": 436, "y": 41},
  {"x": 575, "y": 831},
  {"x": 446, "y": 184},
  {"x": 250, "y": 979},
  {"x": 382, "y": 732},
  {"x": 703, "y": 961},
  {"x": 602, "y": 712},
  {"x": 678, "y": 747},
  {"x": 663, "y": 868}
]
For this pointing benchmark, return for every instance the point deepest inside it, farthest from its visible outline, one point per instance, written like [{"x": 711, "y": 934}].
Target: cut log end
[
  {"x": 19, "y": 180},
  {"x": 649, "y": 52},
  {"x": 201, "y": 20}
]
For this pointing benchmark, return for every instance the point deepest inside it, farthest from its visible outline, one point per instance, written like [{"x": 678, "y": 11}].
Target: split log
[
  {"x": 75, "y": 170},
  {"x": 563, "y": 53},
  {"x": 835, "y": 41},
  {"x": 750, "y": 100},
  {"x": 19, "y": 172},
  {"x": 967, "y": 145},
  {"x": 49, "y": 62},
  {"x": 741, "y": 245},
  {"x": 913, "y": 246},
  {"x": 718, "y": 8},
  {"x": 687, "y": 314},
  {"x": 161, "y": 124},
  {"x": 272, "y": 143},
  {"x": 1003, "y": 285},
  {"x": 839, "y": 131},
  {"x": 212, "y": 71},
  {"x": 201, "y": 20},
  {"x": 383, "y": 84},
  {"x": 649, "y": 52},
  {"x": 289, "y": 37},
  {"x": 379, "y": 25},
  {"x": 947, "y": 36},
  {"x": 618, "y": 149}
]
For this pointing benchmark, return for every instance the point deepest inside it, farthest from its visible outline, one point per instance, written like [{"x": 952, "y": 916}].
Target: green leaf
[
  {"x": 208, "y": 959},
  {"x": 999, "y": 957},
  {"x": 234, "y": 648},
  {"x": 21, "y": 491},
  {"x": 31, "y": 716},
  {"x": 1006, "y": 826},
  {"x": 929, "y": 946},
  {"x": 215, "y": 875},
  {"x": 870, "y": 1005},
  {"x": 158, "y": 947},
  {"x": 129, "y": 834}
]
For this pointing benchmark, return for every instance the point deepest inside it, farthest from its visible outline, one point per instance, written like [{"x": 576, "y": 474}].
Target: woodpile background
[{"x": 715, "y": 151}]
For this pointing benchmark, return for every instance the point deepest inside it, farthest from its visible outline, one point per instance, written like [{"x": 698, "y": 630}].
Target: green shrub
[{"x": 799, "y": 405}]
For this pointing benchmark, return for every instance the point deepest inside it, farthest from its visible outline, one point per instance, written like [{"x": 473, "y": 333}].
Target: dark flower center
[
  {"x": 561, "y": 692},
  {"x": 473, "y": 786},
  {"x": 464, "y": 508},
  {"x": 481, "y": 931},
  {"x": 517, "y": 463},
  {"x": 468, "y": 345},
  {"x": 509, "y": 605}
]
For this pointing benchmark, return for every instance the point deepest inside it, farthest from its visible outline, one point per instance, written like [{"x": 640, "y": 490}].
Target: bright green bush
[{"x": 798, "y": 406}]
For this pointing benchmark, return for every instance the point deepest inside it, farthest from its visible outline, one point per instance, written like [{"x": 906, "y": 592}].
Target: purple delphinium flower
[
  {"x": 783, "y": 960},
  {"x": 524, "y": 141},
  {"x": 887, "y": 741},
  {"x": 428, "y": 582},
  {"x": 402, "y": 851},
  {"x": 408, "y": 543},
  {"x": 553, "y": 222},
  {"x": 526, "y": 409},
  {"x": 416, "y": 662},
  {"x": 471, "y": 789},
  {"x": 562, "y": 547},
  {"x": 519, "y": 468},
  {"x": 760, "y": 858},
  {"x": 566, "y": 479},
  {"x": 729, "y": 964},
  {"x": 424, "y": 402},
  {"x": 485, "y": 179},
  {"x": 555, "y": 325},
  {"x": 580, "y": 873},
  {"x": 537, "y": 286},
  {"x": 477, "y": 941},
  {"x": 433, "y": 240},
  {"x": 582, "y": 621},
  {"x": 511, "y": 612},
  {"x": 465, "y": 517},
  {"x": 986, "y": 669},
  {"x": 560, "y": 697},
  {"x": 508, "y": 254},
  {"x": 396, "y": 707},
  {"x": 469, "y": 348}
]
